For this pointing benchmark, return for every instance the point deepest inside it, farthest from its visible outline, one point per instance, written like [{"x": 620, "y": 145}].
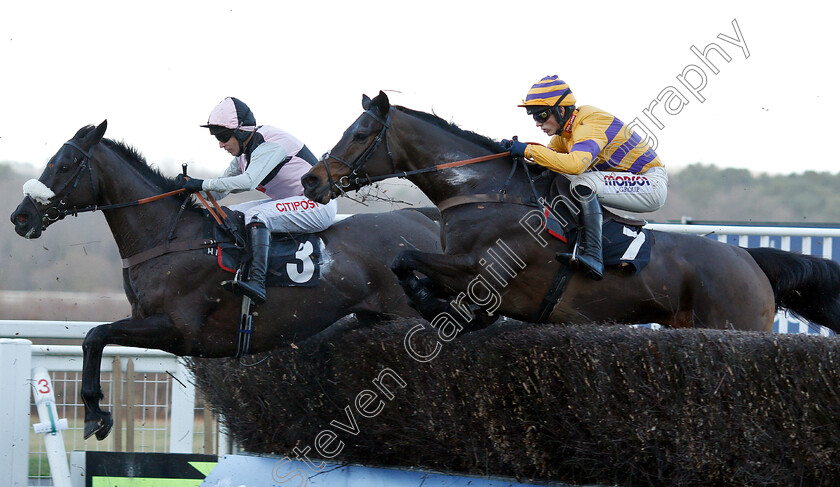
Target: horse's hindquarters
[{"x": 718, "y": 285}]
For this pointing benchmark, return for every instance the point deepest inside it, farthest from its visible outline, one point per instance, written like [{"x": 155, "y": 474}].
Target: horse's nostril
[{"x": 310, "y": 181}]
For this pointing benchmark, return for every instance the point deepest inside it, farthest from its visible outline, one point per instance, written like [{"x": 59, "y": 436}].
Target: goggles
[
  {"x": 224, "y": 136},
  {"x": 541, "y": 117}
]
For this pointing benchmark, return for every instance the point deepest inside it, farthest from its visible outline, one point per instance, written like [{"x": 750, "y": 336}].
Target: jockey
[
  {"x": 604, "y": 159},
  {"x": 270, "y": 160}
]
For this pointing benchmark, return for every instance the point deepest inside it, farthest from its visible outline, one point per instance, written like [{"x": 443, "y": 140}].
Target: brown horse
[
  {"x": 486, "y": 208},
  {"x": 176, "y": 301}
]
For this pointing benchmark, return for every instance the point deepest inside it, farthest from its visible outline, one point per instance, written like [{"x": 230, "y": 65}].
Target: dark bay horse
[
  {"x": 176, "y": 301},
  {"x": 690, "y": 281}
]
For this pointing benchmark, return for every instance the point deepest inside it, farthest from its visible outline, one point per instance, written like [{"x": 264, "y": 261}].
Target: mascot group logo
[
  {"x": 626, "y": 183},
  {"x": 625, "y": 180}
]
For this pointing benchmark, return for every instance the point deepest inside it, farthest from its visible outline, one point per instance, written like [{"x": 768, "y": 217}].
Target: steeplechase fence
[{"x": 151, "y": 393}]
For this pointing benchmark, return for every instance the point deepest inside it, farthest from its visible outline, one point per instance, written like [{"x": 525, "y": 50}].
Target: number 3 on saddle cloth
[
  {"x": 293, "y": 260},
  {"x": 625, "y": 242}
]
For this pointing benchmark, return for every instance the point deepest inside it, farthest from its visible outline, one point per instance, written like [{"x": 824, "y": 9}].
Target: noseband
[{"x": 363, "y": 158}]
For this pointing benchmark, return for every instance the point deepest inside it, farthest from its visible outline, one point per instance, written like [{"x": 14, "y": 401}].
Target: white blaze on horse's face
[{"x": 38, "y": 191}]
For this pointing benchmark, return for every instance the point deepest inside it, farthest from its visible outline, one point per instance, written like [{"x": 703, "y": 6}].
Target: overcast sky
[{"x": 155, "y": 69}]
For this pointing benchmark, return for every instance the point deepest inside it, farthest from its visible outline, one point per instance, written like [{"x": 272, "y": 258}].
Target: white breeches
[{"x": 297, "y": 214}]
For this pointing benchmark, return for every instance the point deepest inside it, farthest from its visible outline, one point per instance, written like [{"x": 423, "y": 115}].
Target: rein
[
  {"x": 142, "y": 201},
  {"x": 59, "y": 212},
  {"x": 344, "y": 182}
]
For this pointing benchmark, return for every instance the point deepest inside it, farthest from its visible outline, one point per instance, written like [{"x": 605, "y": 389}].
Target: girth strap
[
  {"x": 167, "y": 248},
  {"x": 483, "y": 198},
  {"x": 554, "y": 293}
]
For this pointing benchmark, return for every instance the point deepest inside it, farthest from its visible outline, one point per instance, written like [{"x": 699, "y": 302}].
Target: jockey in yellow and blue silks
[{"x": 606, "y": 162}]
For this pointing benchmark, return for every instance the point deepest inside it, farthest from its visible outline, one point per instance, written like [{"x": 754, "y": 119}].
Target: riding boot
[
  {"x": 591, "y": 254},
  {"x": 254, "y": 287}
]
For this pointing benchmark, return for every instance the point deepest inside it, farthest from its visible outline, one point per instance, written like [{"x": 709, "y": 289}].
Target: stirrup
[
  {"x": 232, "y": 285},
  {"x": 241, "y": 288},
  {"x": 576, "y": 262},
  {"x": 571, "y": 257}
]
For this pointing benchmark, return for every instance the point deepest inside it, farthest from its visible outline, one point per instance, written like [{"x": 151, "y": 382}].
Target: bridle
[
  {"x": 60, "y": 210},
  {"x": 345, "y": 181}
]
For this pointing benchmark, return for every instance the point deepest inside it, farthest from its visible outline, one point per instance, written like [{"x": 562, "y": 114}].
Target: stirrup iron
[{"x": 232, "y": 285}]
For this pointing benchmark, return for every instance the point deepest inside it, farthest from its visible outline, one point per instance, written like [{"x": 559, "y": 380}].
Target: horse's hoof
[{"x": 101, "y": 427}]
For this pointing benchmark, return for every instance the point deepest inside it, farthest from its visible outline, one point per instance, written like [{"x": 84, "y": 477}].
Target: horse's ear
[
  {"x": 381, "y": 103},
  {"x": 365, "y": 102},
  {"x": 95, "y": 135}
]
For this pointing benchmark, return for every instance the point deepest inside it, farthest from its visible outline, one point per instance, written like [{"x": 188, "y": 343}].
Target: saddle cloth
[
  {"x": 625, "y": 241},
  {"x": 293, "y": 260},
  {"x": 626, "y": 244}
]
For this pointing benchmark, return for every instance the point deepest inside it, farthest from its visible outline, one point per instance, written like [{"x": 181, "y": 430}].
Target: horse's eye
[
  {"x": 64, "y": 168},
  {"x": 360, "y": 136}
]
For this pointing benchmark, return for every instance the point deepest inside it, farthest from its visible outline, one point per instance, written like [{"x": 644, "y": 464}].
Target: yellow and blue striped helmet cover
[{"x": 547, "y": 91}]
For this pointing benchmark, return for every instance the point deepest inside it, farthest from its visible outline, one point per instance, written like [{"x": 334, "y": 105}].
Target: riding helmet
[
  {"x": 232, "y": 114},
  {"x": 549, "y": 92}
]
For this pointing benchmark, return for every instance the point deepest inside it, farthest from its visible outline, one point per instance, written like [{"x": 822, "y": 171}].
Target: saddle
[
  {"x": 294, "y": 259},
  {"x": 625, "y": 241}
]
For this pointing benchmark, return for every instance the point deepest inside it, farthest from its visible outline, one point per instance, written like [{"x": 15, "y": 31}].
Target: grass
[{"x": 150, "y": 438}]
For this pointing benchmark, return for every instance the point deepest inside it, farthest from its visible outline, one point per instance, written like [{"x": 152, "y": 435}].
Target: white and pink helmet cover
[{"x": 233, "y": 114}]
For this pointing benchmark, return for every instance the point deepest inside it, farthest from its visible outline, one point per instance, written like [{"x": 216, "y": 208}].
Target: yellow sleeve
[{"x": 587, "y": 144}]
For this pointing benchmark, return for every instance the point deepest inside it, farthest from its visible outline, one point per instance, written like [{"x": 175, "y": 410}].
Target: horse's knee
[{"x": 94, "y": 339}]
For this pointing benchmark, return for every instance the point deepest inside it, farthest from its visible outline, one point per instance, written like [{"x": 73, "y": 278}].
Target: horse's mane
[
  {"x": 136, "y": 159},
  {"x": 473, "y": 137},
  {"x": 480, "y": 140}
]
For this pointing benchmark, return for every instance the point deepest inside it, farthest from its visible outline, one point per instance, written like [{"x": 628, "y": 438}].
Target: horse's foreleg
[
  {"x": 153, "y": 332},
  {"x": 451, "y": 273},
  {"x": 96, "y": 420}
]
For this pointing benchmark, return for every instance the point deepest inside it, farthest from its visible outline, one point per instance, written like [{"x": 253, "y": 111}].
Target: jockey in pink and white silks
[{"x": 270, "y": 160}]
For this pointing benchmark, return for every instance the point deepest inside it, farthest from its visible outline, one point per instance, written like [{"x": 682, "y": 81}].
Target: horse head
[
  {"x": 354, "y": 155},
  {"x": 67, "y": 183}
]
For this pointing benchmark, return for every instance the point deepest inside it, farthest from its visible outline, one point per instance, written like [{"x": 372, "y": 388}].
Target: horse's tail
[{"x": 806, "y": 286}]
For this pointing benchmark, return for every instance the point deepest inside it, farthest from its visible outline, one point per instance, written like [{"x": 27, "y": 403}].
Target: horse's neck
[
  {"x": 489, "y": 177},
  {"x": 419, "y": 152},
  {"x": 135, "y": 228}
]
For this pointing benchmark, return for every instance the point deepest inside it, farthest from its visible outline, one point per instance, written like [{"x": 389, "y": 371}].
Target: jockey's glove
[
  {"x": 516, "y": 148},
  {"x": 190, "y": 184}
]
